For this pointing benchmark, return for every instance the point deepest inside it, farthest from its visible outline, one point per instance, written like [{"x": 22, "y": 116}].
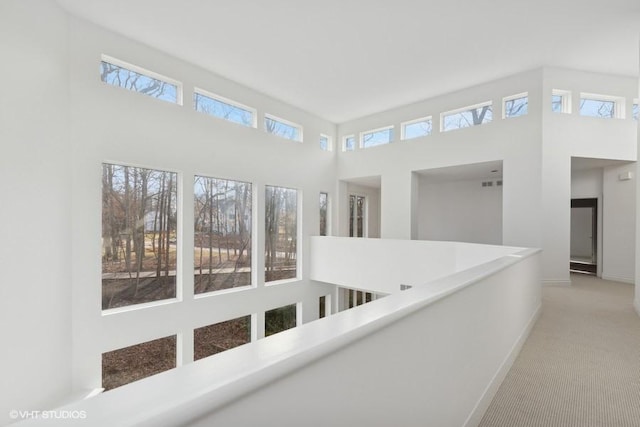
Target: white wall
[
  {"x": 116, "y": 125},
  {"x": 35, "y": 225},
  {"x": 570, "y": 135},
  {"x": 59, "y": 122},
  {"x": 425, "y": 378},
  {"x": 515, "y": 141},
  {"x": 619, "y": 226},
  {"x": 461, "y": 211},
  {"x": 536, "y": 151}
]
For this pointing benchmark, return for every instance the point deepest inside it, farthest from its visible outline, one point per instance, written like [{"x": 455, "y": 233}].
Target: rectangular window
[
  {"x": 561, "y": 101},
  {"x": 515, "y": 106},
  {"x": 223, "y": 108},
  {"x": 282, "y": 128},
  {"x": 376, "y": 137},
  {"x": 325, "y": 142},
  {"x": 602, "y": 106},
  {"x": 322, "y": 307},
  {"x": 357, "y": 206},
  {"x": 635, "y": 111},
  {"x": 222, "y": 234},
  {"x": 131, "y": 77},
  {"x": 280, "y": 319},
  {"x": 348, "y": 143},
  {"x": 467, "y": 117},
  {"x": 139, "y": 237},
  {"x": 129, "y": 364},
  {"x": 219, "y": 337},
  {"x": 416, "y": 128},
  {"x": 281, "y": 233},
  {"x": 324, "y": 204}
]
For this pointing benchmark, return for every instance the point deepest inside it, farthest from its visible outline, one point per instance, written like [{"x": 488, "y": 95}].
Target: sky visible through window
[
  {"x": 282, "y": 129},
  {"x": 597, "y": 108},
  {"x": 379, "y": 137},
  {"x": 128, "y": 79},
  {"x": 467, "y": 118},
  {"x": 223, "y": 110},
  {"x": 349, "y": 143},
  {"x": 417, "y": 129},
  {"x": 516, "y": 107}
]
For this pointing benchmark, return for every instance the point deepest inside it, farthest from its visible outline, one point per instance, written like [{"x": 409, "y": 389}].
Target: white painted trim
[
  {"x": 372, "y": 131},
  {"x": 463, "y": 110},
  {"x": 329, "y": 141},
  {"x": 566, "y": 100},
  {"x": 414, "y": 121},
  {"x": 148, "y": 73},
  {"x": 629, "y": 280},
  {"x": 492, "y": 388},
  {"x": 344, "y": 142},
  {"x": 512, "y": 98},
  {"x": 284, "y": 122},
  {"x": 231, "y": 103},
  {"x": 618, "y": 101}
]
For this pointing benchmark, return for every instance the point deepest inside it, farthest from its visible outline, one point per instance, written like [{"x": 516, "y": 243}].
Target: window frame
[
  {"x": 373, "y": 131},
  {"x": 230, "y": 102},
  {"x": 463, "y": 110},
  {"x": 286, "y": 122},
  {"x": 618, "y": 104},
  {"x": 344, "y": 142},
  {"x": 403, "y": 136},
  {"x": 148, "y": 73},
  {"x": 329, "y": 142},
  {"x": 566, "y": 101},
  {"x": 513, "y": 98}
]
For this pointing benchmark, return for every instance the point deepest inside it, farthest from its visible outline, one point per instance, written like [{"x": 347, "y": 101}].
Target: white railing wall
[{"x": 432, "y": 355}]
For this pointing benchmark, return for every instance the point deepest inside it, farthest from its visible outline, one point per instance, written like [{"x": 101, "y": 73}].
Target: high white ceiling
[{"x": 344, "y": 59}]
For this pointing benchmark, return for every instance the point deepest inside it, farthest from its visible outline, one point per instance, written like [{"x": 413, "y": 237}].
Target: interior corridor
[{"x": 581, "y": 364}]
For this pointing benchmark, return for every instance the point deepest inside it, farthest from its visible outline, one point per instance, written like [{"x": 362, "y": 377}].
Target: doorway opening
[{"x": 584, "y": 236}]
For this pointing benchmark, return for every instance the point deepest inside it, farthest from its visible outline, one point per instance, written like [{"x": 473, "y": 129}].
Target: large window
[
  {"x": 123, "y": 366},
  {"x": 222, "y": 234},
  {"x": 131, "y": 77},
  {"x": 223, "y": 108},
  {"x": 466, "y": 117},
  {"x": 281, "y": 233},
  {"x": 357, "y": 211},
  {"x": 416, "y": 128},
  {"x": 515, "y": 106},
  {"x": 139, "y": 238},
  {"x": 219, "y": 337},
  {"x": 602, "y": 106},
  {"x": 376, "y": 137},
  {"x": 280, "y": 319},
  {"x": 282, "y": 128},
  {"x": 324, "y": 205}
]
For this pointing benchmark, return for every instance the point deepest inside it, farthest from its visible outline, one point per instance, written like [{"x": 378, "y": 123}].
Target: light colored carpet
[{"x": 581, "y": 364}]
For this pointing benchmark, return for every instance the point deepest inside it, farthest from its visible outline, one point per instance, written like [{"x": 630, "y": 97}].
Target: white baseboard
[
  {"x": 612, "y": 278},
  {"x": 489, "y": 393},
  {"x": 556, "y": 282}
]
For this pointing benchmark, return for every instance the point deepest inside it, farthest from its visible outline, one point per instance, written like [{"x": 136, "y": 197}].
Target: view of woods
[
  {"x": 280, "y": 233},
  {"x": 279, "y": 319},
  {"x": 139, "y": 216},
  {"x": 216, "y": 338},
  {"x": 133, "y": 363},
  {"x": 222, "y": 234}
]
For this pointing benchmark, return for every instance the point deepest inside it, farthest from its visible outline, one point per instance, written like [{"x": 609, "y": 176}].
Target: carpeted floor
[{"x": 580, "y": 366}]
